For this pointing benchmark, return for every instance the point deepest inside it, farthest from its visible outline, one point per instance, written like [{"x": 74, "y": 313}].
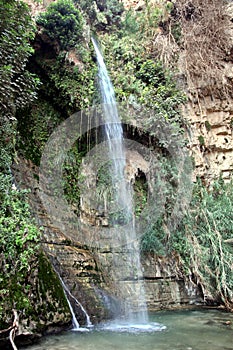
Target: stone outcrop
[
  {"x": 211, "y": 137},
  {"x": 209, "y": 111},
  {"x": 73, "y": 262},
  {"x": 165, "y": 289},
  {"x": 88, "y": 271}
]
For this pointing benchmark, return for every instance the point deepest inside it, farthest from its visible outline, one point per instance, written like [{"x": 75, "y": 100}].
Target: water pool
[{"x": 174, "y": 330}]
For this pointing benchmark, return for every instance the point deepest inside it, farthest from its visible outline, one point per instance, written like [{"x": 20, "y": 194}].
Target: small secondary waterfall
[
  {"x": 75, "y": 324},
  {"x": 135, "y": 305}
]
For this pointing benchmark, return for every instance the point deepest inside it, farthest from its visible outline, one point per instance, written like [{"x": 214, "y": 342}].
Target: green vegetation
[
  {"x": 199, "y": 241},
  {"x": 72, "y": 88},
  {"x": 201, "y": 140},
  {"x": 18, "y": 85},
  {"x": 154, "y": 238},
  {"x": 63, "y": 22},
  {"x": 68, "y": 82},
  {"x": 164, "y": 197},
  {"x": 35, "y": 126},
  {"x": 207, "y": 125},
  {"x": 208, "y": 223},
  {"x": 49, "y": 284},
  {"x": 65, "y": 90},
  {"x": 19, "y": 235},
  {"x": 231, "y": 123},
  {"x": 138, "y": 76},
  {"x": 71, "y": 173},
  {"x": 18, "y": 248},
  {"x": 102, "y": 15}
]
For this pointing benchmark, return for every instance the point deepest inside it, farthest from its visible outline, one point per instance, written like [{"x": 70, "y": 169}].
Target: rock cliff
[{"x": 87, "y": 272}]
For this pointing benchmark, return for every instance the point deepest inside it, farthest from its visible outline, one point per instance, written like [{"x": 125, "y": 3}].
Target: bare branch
[
  {"x": 206, "y": 44},
  {"x": 14, "y": 329}
]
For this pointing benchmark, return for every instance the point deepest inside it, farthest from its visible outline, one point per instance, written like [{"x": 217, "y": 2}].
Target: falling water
[
  {"x": 114, "y": 135},
  {"x": 135, "y": 306},
  {"x": 75, "y": 324}
]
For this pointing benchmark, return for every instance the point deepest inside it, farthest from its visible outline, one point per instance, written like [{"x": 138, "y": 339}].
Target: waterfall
[
  {"x": 114, "y": 135},
  {"x": 135, "y": 310},
  {"x": 75, "y": 324},
  {"x": 88, "y": 321}
]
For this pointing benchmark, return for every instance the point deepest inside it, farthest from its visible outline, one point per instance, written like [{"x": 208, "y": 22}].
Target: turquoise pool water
[{"x": 173, "y": 330}]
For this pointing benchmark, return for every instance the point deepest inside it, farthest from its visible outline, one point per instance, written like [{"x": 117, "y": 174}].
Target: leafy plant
[
  {"x": 102, "y": 15},
  {"x": 207, "y": 228},
  {"x": 153, "y": 239},
  {"x": 201, "y": 241},
  {"x": 63, "y": 22},
  {"x": 207, "y": 125},
  {"x": 35, "y": 126},
  {"x": 18, "y": 86},
  {"x": 19, "y": 240},
  {"x": 71, "y": 174},
  {"x": 201, "y": 140},
  {"x": 137, "y": 77}
]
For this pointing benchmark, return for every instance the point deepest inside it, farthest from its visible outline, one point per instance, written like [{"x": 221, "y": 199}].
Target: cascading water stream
[
  {"x": 135, "y": 306},
  {"x": 114, "y": 135},
  {"x": 75, "y": 324}
]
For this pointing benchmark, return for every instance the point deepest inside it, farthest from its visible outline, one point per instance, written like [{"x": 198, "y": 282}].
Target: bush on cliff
[{"x": 63, "y": 22}]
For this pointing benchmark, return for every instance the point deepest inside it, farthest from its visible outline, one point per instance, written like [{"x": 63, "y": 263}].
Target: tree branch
[{"x": 14, "y": 329}]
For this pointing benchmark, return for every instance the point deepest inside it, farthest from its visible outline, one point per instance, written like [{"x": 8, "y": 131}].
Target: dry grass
[{"x": 205, "y": 44}]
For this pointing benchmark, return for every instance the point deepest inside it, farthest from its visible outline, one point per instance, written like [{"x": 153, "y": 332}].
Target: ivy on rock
[
  {"x": 18, "y": 85},
  {"x": 19, "y": 240}
]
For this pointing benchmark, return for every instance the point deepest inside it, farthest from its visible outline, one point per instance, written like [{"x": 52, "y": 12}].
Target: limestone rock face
[
  {"x": 73, "y": 262},
  {"x": 164, "y": 288},
  {"x": 211, "y": 138},
  {"x": 92, "y": 212},
  {"x": 209, "y": 110},
  {"x": 90, "y": 272}
]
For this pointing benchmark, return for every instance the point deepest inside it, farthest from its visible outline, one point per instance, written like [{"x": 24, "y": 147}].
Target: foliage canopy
[{"x": 63, "y": 22}]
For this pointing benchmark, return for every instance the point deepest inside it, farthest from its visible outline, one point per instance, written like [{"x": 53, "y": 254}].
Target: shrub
[
  {"x": 201, "y": 241},
  {"x": 18, "y": 247},
  {"x": 62, "y": 22},
  {"x": 102, "y": 14}
]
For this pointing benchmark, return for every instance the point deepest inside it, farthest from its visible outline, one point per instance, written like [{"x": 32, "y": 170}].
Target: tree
[{"x": 62, "y": 22}]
